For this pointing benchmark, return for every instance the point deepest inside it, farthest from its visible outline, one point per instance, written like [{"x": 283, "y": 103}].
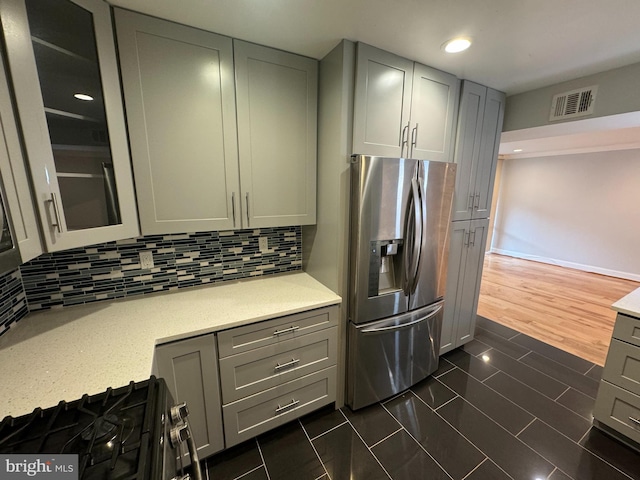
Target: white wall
[{"x": 581, "y": 211}]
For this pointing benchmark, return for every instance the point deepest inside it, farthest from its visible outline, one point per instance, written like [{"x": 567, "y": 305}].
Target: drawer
[
  {"x": 260, "y": 334},
  {"x": 627, "y": 329},
  {"x": 623, "y": 366},
  {"x": 253, "y": 415},
  {"x": 619, "y": 409},
  {"x": 262, "y": 368}
]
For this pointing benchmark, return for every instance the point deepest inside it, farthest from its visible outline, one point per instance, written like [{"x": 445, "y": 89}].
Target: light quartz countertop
[
  {"x": 63, "y": 353},
  {"x": 629, "y": 304}
]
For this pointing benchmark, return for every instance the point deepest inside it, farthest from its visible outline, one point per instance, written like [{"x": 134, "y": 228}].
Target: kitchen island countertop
[
  {"x": 629, "y": 304},
  {"x": 63, "y": 353}
]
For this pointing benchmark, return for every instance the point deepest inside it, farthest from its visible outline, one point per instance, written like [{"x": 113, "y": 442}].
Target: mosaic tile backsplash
[
  {"x": 113, "y": 270},
  {"x": 13, "y": 302}
]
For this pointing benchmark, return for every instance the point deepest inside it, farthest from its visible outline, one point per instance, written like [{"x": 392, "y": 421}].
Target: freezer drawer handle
[
  {"x": 292, "y": 328},
  {"x": 289, "y": 405},
  {"x": 635, "y": 420},
  {"x": 293, "y": 362},
  {"x": 432, "y": 314}
]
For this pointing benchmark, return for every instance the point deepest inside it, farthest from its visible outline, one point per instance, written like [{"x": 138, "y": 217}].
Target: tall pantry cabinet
[
  {"x": 229, "y": 124},
  {"x": 476, "y": 154}
]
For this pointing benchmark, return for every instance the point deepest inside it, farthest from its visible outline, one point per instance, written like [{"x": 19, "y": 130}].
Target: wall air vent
[{"x": 575, "y": 103}]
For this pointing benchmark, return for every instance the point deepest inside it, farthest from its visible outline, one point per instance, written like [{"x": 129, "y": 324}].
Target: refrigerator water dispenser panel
[{"x": 385, "y": 267}]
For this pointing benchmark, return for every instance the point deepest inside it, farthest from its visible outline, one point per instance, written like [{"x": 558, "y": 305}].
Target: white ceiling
[{"x": 518, "y": 45}]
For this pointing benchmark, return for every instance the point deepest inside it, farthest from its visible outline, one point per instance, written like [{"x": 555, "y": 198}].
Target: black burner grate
[{"x": 111, "y": 432}]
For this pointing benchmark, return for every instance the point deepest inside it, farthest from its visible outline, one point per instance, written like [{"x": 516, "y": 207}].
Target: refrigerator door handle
[
  {"x": 411, "y": 322},
  {"x": 415, "y": 242}
]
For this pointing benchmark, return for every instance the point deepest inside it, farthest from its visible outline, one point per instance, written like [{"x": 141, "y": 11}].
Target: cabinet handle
[
  {"x": 280, "y": 366},
  {"x": 246, "y": 197},
  {"x": 476, "y": 204},
  {"x": 56, "y": 213},
  {"x": 467, "y": 237},
  {"x": 292, "y": 328},
  {"x": 282, "y": 408},
  {"x": 470, "y": 202},
  {"x": 635, "y": 420},
  {"x": 472, "y": 242},
  {"x": 405, "y": 139},
  {"x": 233, "y": 207},
  {"x": 414, "y": 138}
]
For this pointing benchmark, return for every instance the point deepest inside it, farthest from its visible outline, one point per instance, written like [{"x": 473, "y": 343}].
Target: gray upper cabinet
[
  {"x": 277, "y": 135},
  {"x": 223, "y": 133},
  {"x": 476, "y": 153},
  {"x": 180, "y": 100},
  {"x": 61, "y": 56},
  {"x": 17, "y": 200},
  {"x": 402, "y": 108}
]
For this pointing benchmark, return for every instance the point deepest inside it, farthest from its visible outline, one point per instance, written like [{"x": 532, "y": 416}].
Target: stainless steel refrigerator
[{"x": 400, "y": 218}]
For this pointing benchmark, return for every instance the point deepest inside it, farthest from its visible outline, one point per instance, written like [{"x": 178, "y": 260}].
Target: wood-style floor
[{"x": 569, "y": 309}]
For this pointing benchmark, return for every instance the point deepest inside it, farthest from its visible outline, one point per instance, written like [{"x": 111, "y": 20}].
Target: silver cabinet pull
[
  {"x": 56, "y": 213},
  {"x": 467, "y": 237},
  {"x": 290, "y": 329},
  {"x": 472, "y": 242},
  {"x": 280, "y": 366},
  {"x": 289, "y": 405},
  {"x": 635, "y": 420},
  {"x": 470, "y": 202},
  {"x": 405, "y": 139},
  {"x": 233, "y": 207},
  {"x": 476, "y": 203},
  {"x": 246, "y": 197}
]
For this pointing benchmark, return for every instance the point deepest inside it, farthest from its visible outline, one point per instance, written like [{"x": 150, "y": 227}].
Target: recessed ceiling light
[
  {"x": 457, "y": 45},
  {"x": 83, "y": 96},
  {"x": 517, "y": 150}
]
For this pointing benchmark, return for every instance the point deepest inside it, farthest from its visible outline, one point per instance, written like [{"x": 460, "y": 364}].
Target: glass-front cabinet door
[{"x": 65, "y": 77}]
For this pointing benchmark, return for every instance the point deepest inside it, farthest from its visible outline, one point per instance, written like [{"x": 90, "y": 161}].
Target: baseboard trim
[{"x": 563, "y": 263}]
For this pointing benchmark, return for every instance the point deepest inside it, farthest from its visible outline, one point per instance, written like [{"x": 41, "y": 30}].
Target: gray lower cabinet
[
  {"x": 281, "y": 369},
  {"x": 190, "y": 368},
  {"x": 618, "y": 402},
  {"x": 464, "y": 274}
]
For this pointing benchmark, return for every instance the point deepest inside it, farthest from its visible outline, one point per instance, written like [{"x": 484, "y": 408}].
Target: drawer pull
[
  {"x": 292, "y": 328},
  {"x": 635, "y": 420},
  {"x": 293, "y": 362},
  {"x": 289, "y": 405}
]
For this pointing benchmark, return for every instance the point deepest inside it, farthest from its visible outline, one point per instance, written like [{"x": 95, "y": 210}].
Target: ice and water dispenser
[{"x": 385, "y": 267}]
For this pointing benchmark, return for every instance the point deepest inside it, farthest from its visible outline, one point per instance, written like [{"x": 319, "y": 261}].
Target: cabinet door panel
[
  {"x": 54, "y": 50},
  {"x": 277, "y": 117},
  {"x": 471, "y": 283},
  {"x": 382, "y": 103},
  {"x": 434, "y": 106},
  {"x": 468, "y": 148},
  {"x": 190, "y": 368},
  {"x": 455, "y": 278},
  {"x": 488, "y": 157},
  {"x": 179, "y": 92},
  {"x": 19, "y": 202}
]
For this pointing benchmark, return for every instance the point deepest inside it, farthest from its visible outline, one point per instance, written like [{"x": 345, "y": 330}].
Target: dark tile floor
[{"x": 503, "y": 406}]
